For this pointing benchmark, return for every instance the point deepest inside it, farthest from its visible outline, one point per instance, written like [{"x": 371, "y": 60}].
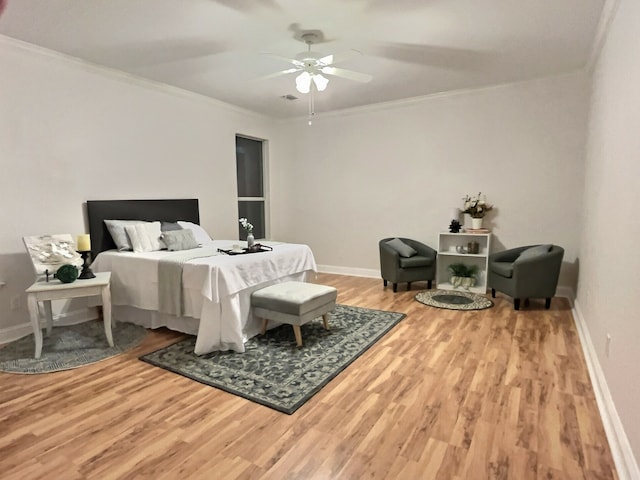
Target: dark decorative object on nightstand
[
  {"x": 67, "y": 273},
  {"x": 84, "y": 249},
  {"x": 454, "y": 227},
  {"x": 86, "y": 269}
]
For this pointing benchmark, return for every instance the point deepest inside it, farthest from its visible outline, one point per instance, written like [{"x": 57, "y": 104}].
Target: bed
[{"x": 216, "y": 289}]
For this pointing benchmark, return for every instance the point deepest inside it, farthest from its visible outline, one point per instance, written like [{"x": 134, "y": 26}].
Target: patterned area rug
[
  {"x": 273, "y": 371},
  {"x": 68, "y": 347},
  {"x": 454, "y": 300}
]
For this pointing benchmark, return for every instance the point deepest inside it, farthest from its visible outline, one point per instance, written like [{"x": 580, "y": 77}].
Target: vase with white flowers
[
  {"x": 249, "y": 228},
  {"x": 476, "y": 207}
]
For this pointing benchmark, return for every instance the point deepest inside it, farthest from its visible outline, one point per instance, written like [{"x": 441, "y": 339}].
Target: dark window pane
[
  {"x": 253, "y": 211},
  {"x": 249, "y": 167}
]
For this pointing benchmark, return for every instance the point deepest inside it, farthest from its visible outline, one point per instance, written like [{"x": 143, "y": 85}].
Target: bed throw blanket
[{"x": 170, "y": 278}]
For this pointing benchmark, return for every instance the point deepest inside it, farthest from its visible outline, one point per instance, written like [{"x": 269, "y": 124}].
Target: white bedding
[{"x": 216, "y": 290}]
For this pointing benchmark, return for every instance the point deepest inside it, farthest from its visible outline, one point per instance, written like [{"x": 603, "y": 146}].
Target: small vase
[
  {"x": 476, "y": 223},
  {"x": 468, "y": 282},
  {"x": 250, "y": 240}
]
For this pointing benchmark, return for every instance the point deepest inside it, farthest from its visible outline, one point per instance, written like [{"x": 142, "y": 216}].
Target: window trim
[{"x": 266, "y": 190}]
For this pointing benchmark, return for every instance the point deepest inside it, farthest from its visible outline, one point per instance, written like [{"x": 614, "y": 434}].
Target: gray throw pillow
[
  {"x": 118, "y": 233},
  {"x": 169, "y": 226},
  {"x": 402, "y": 248},
  {"x": 182, "y": 239},
  {"x": 534, "y": 252}
]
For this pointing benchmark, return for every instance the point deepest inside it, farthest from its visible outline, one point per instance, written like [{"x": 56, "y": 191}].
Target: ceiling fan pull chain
[{"x": 312, "y": 106}]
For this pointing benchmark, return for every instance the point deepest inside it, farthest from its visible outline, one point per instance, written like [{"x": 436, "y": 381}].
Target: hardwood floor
[{"x": 444, "y": 395}]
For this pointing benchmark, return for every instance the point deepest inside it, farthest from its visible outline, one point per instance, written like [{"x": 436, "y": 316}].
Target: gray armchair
[
  {"x": 526, "y": 272},
  {"x": 408, "y": 267}
]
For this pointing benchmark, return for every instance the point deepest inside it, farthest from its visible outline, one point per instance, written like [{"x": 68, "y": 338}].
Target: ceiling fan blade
[
  {"x": 278, "y": 74},
  {"x": 293, "y": 61},
  {"x": 349, "y": 74},
  {"x": 328, "y": 60},
  {"x": 243, "y": 6},
  {"x": 338, "y": 57}
]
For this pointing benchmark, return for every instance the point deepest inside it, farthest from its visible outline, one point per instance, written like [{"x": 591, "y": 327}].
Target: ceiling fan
[{"x": 313, "y": 65}]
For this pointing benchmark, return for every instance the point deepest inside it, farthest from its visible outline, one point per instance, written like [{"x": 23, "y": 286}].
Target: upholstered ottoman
[{"x": 294, "y": 303}]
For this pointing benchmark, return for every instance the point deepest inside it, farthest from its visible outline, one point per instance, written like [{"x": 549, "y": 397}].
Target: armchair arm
[
  {"x": 389, "y": 260},
  {"x": 538, "y": 276},
  {"x": 508, "y": 255}
]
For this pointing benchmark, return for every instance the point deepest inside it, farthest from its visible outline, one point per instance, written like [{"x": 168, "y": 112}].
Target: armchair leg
[
  {"x": 493, "y": 293},
  {"x": 395, "y": 287},
  {"x": 526, "y": 302},
  {"x": 547, "y": 303},
  {"x": 429, "y": 284},
  {"x": 408, "y": 286},
  {"x": 516, "y": 304},
  {"x": 384, "y": 282}
]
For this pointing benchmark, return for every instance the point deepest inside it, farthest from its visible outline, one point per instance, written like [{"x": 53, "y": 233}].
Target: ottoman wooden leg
[
  {"x": 298, "y": 333},
  {"x": 264, "y": 325},
  {"x": 325, "y": 321}
]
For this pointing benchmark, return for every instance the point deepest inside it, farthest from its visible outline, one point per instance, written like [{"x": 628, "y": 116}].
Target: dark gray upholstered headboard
[{"x": 169, "y": 210}]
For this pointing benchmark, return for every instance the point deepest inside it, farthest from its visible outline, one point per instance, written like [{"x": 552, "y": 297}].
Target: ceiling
[{"x": 411, "y": 48}]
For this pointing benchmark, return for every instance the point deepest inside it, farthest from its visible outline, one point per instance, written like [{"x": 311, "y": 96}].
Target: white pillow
[
  {"x": 202, "y": 237},
  {"x": 145, "y": 237}
]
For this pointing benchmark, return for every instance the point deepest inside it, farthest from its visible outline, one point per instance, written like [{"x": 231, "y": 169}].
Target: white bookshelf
[{"x": 448, "y": 254}]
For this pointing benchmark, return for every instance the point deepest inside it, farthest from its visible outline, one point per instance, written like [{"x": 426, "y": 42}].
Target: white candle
[
  {"x": 84, "y": 243},
  {"x": 455, "y": 214}
]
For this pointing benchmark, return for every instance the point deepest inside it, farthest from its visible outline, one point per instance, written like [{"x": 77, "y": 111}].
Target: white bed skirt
[{"x": 224, "y": 325}]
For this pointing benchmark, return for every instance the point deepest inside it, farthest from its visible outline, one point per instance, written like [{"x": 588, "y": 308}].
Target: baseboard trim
[
  {"x": 623, "y": 457},
  {"x": 14, "y": 332},
  {"x": 562, "y": 291},
  {"x": 355, "y": 272},
  {"x": 566, "y": 292}
]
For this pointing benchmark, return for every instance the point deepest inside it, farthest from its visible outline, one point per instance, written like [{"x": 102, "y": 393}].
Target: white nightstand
[{"x": 43, "y": 291}]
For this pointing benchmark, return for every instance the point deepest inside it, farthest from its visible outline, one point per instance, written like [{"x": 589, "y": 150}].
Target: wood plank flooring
[{"x": 491, "y": 394}]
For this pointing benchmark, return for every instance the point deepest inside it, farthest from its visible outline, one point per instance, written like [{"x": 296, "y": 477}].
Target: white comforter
[{"x": 216, "y": 289}]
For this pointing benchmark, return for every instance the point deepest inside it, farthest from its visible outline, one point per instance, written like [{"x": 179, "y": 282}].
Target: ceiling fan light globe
[
  {"x": 321, "y": 82},
  {"x": 303, "y": 82}
]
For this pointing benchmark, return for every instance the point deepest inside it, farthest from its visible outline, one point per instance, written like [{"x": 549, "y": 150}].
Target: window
[{"x": 251, "y": 191}]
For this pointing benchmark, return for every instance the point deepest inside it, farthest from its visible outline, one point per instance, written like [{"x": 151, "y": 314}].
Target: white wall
[
  {"x": 609, "y": 248},
  {"x": 399, "y": 169},
  {"x": 70, "y": 132}
]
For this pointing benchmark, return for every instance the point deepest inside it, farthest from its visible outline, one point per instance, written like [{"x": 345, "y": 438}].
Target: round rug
[
  {"x": 69, "y": 346},
  {"x": 454, "y": 300}
]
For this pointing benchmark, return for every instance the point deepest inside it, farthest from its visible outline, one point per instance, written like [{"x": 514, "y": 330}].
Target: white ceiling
[{"x": 411, "y": 47}]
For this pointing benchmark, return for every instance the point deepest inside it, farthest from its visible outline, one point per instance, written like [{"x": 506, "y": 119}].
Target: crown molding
[{"x": 413, "y": 101}]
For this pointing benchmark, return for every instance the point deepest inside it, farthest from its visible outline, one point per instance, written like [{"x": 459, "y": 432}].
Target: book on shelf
[{"x": 477, "y": 230}]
